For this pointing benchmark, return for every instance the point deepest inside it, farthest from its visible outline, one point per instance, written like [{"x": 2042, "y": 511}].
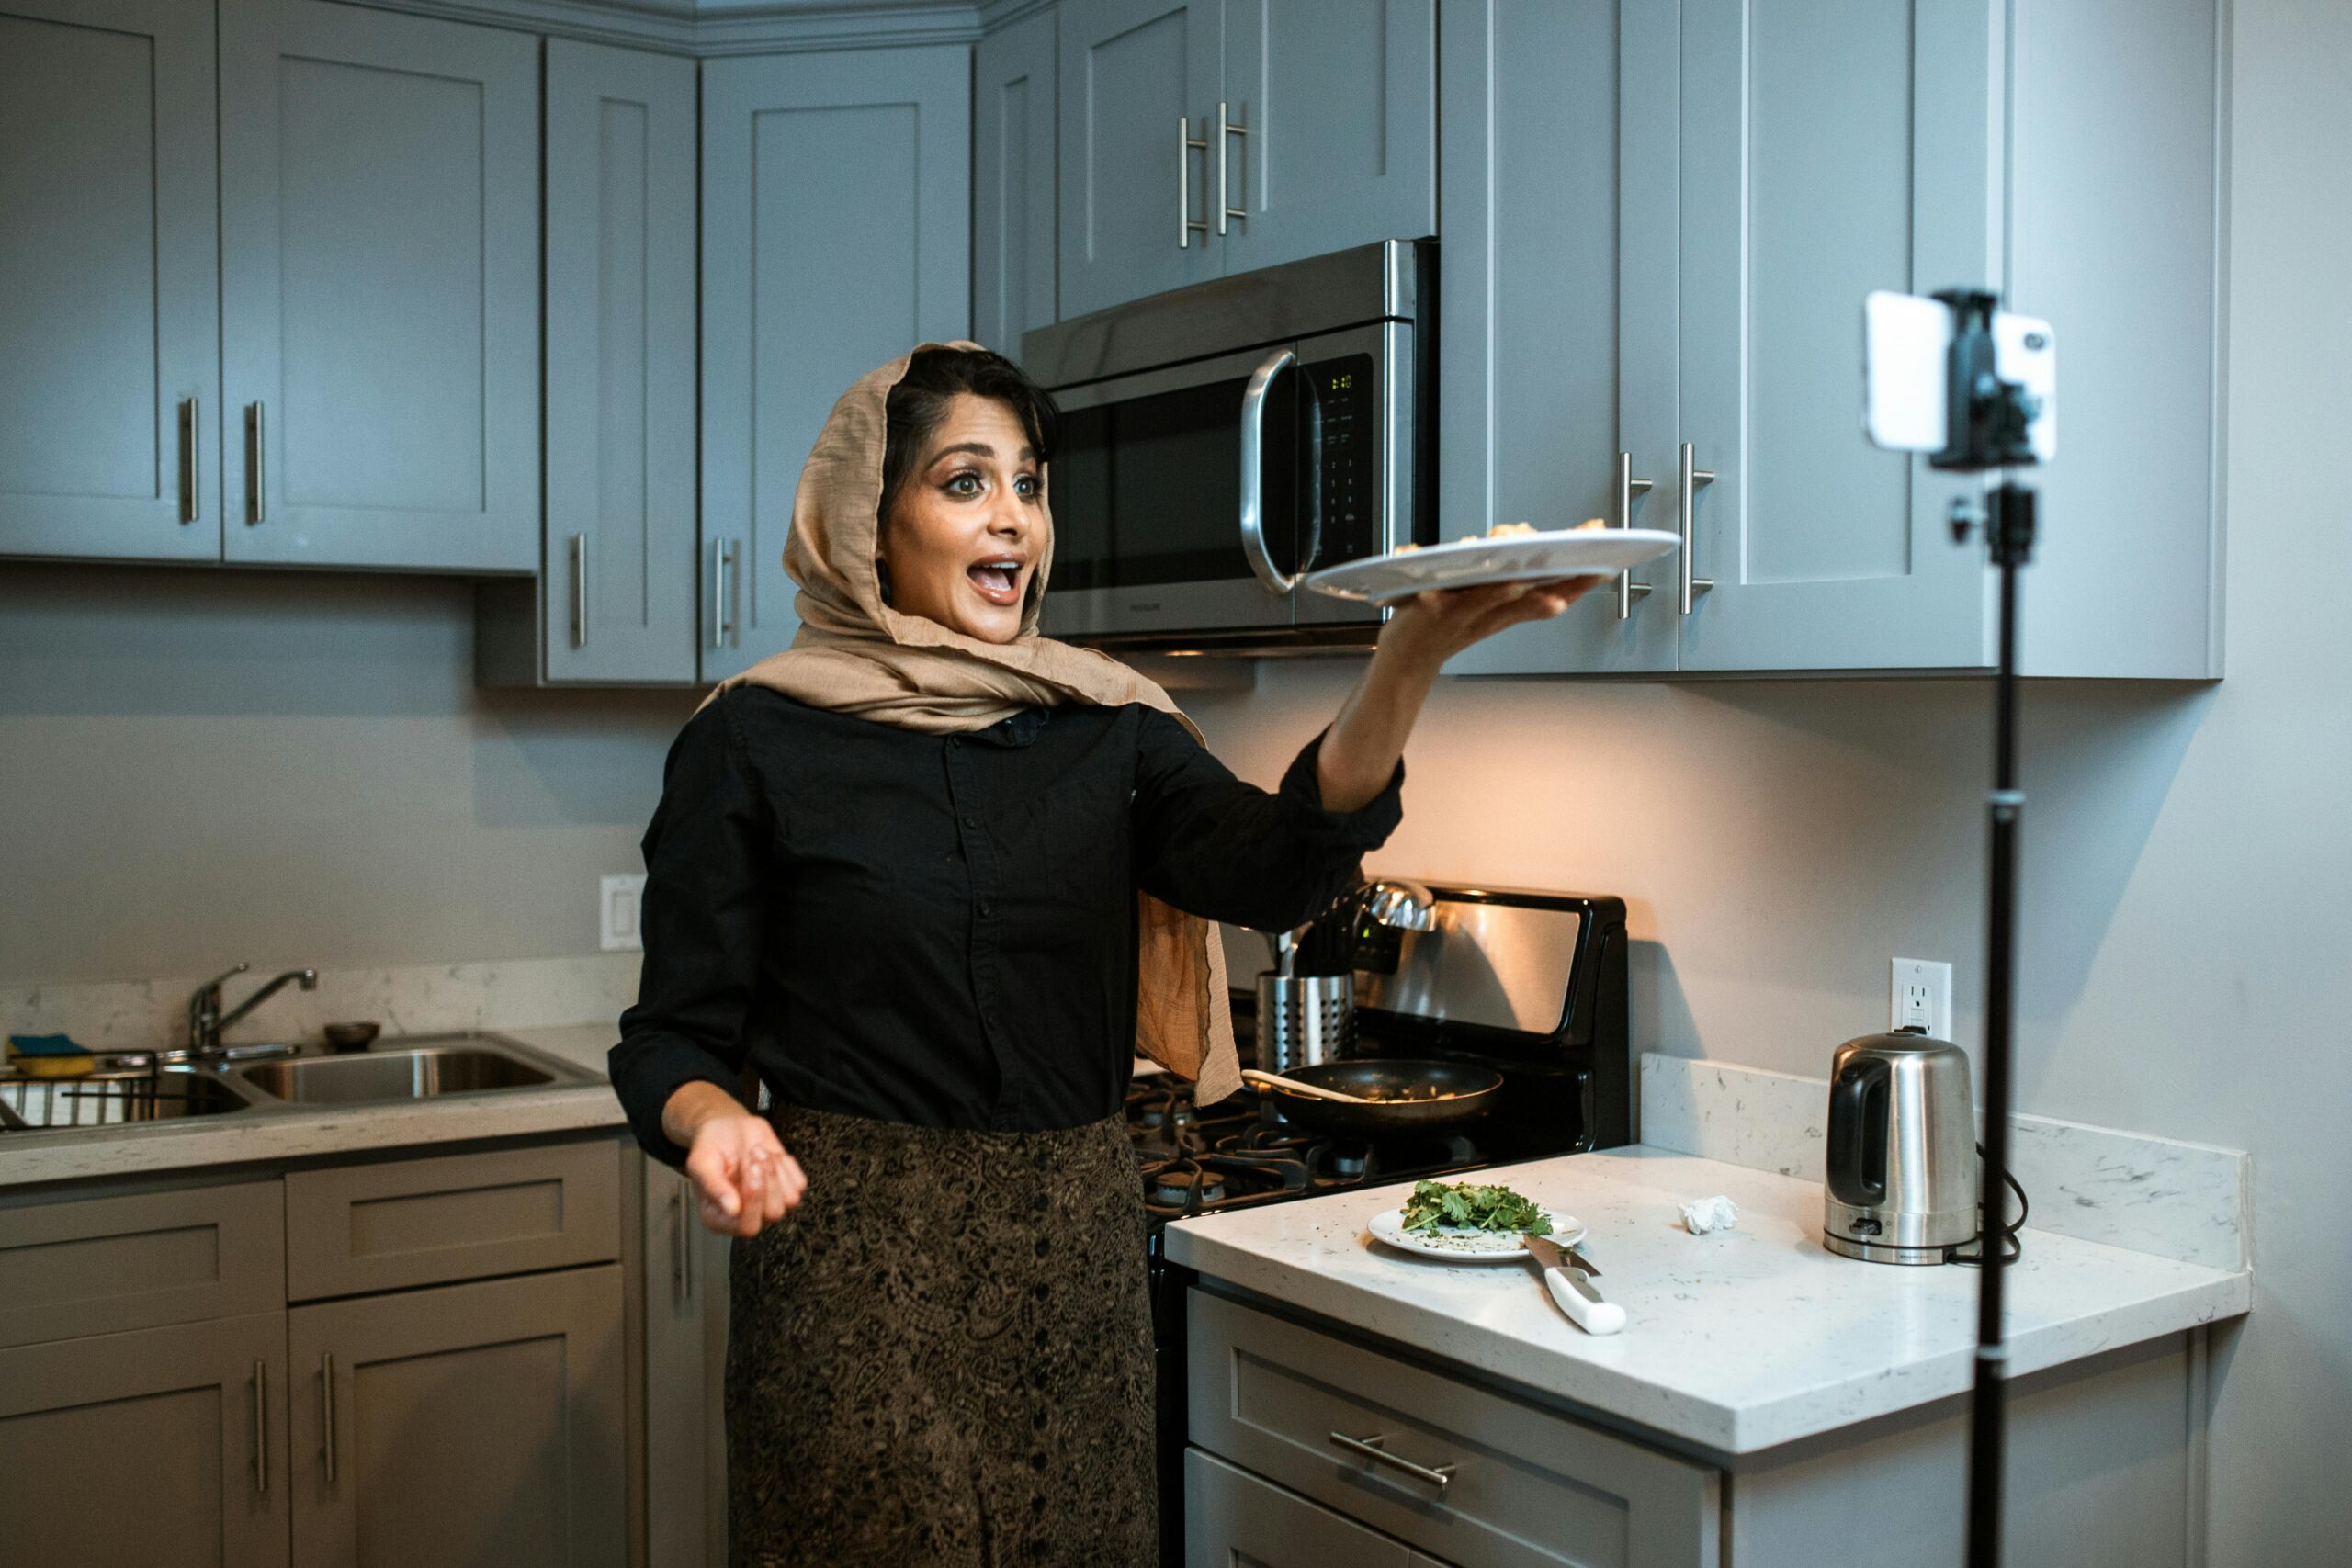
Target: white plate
[
  {"x": 1517, "y": 558},
  {"x": 1459, "y": 1244}
]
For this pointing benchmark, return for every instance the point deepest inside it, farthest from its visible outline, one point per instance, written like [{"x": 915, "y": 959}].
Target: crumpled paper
[{"x": 1715, "y": 1213}]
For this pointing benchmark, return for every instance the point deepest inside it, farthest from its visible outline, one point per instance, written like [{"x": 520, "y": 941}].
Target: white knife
[{"x": 1568, "y": 1274}]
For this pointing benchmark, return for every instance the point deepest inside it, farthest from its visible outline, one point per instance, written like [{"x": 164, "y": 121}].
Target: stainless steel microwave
[{"x": 1220, "y": 441}]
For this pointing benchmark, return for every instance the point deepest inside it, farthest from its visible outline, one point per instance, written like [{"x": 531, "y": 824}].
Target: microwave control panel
[{"x": 1343, "y": 420}]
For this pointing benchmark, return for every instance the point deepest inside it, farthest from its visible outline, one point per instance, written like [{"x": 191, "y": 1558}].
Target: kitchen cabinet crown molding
[{"x": 708, "y": 28}]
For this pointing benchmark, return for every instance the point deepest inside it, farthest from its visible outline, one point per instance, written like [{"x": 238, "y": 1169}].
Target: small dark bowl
[{"x": 352, "y": 1036}]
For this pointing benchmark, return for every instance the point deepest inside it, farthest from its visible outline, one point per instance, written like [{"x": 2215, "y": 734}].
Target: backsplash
[{"x": 522, "y": 993}]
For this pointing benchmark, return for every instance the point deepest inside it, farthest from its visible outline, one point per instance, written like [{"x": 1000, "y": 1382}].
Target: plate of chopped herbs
[{"x": 1470, "y": 1221}]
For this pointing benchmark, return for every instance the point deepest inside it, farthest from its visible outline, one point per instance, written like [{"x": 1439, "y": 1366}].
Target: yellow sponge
[{"x": 48, "y": 1056}]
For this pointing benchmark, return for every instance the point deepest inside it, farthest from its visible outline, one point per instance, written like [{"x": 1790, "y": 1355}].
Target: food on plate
[
  {"x": 1403, "y": 549},
  {"x": 1474, "y": 1206}
]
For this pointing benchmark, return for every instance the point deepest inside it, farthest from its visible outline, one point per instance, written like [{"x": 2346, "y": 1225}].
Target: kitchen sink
[
  {"x": 412, "y": 1069},
  {"x": 113, "y": 1096}
]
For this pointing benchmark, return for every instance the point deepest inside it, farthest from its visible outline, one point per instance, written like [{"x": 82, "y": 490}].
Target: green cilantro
[{"x": 1469, "y": 1205}]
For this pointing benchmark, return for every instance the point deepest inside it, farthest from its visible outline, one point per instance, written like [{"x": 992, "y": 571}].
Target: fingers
[
  {"x": 744, "y": 1181},
  {"x": 707, "y": 1165}
]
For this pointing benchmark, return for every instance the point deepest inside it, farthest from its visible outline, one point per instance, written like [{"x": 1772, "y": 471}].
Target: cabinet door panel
[
  {"x": 1131, "y": 70},
  {"x": 381, "y": 288},
  {"x": 109, "y": 283},
  {"x": 1550, "y": 358},
  {"x": 473, "y": 1426},
  {"x": 686, "y": 1455},
  {"x": 1340, "y": 98},
  {"x": 618, "y": 586},
  {"x": 1012, "y": 172},
  {"x": 1232, "y": 1519},
  {"x": 191, "y": 1407},
  {"x": 836, "y": 236},
  {"x": 1826, "y": 152}
]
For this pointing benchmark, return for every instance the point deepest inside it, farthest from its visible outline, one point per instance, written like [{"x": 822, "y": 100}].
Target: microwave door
[
  {"x": 1356, "y": 420},
  {"x": 1146, "y": 491}
]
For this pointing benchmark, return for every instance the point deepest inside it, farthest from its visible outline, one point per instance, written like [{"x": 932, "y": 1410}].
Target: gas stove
[{"x": 1531, "y": 985}]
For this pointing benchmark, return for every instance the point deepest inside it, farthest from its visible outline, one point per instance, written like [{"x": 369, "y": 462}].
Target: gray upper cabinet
[
  {"x": 1135, "y": 199},
  {"x": 471, "y": 1423},
  {"x": 1825, "y": 153},
  {"x": 616, "y": 599},
  {"x": 836, "y": 236},
  {"x": 1555, "y": 290},
  {"x": 1336, "y": 104},
  {"x": 1216, "y": 136},
  {"x": 1763, "y": 168},
  {"x": 379, "y": 289},
  {"x": 1012, "y": 182},
  {"x": 110, "y": 298},
  {"x": 192, "y": 1417}
]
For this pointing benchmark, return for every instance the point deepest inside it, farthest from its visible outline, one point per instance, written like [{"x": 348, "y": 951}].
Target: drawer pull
[
  {"x": 327, "y": 1408},
  {"x": 1369, "y": 1447}
]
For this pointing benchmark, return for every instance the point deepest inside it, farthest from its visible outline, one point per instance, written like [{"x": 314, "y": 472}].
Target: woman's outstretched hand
[
  {"x": 744, "y": 1180},
  {"x": 1428, "y": 629}
]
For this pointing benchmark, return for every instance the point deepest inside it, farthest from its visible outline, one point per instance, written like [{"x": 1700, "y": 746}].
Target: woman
[{"x": 930, "y": 876}]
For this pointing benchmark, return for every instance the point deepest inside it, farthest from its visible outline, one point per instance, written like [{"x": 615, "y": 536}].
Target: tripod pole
[{"x": 2009, "y": 525}]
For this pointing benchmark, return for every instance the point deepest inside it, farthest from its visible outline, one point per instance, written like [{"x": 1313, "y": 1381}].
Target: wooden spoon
[{"x": 1312, "y": 1091}]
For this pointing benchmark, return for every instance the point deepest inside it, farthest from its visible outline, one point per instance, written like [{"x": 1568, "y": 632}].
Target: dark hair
[{"x": 918, "y": 405}]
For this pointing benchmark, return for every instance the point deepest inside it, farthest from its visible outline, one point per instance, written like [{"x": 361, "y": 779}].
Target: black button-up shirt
[{"x": 940, "y": 930}]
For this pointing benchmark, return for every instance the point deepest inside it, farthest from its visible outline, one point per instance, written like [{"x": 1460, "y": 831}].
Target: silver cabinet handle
[
  {"x": 1186, "y": 143},
  {"x": 256, "y": 482},
  {"x": 1369, "y": 1447},
  {"x": 681, "y": 1253},
  {"x": 189, "y": 504},
  {"x": 261, "y": 1428},
  {"x": 327, "y": 1408},
  {"x": 722, "y": 592},
  {"x": 1691, "y": 479},
  {"x": 1253, "y": 486},
  {"x": 1628, "y": 487},
  {"x": 1227, "y": 129},
  {"x": 579, "y": 589}
]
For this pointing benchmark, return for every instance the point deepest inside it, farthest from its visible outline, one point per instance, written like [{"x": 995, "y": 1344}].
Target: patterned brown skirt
[{"x": 942, "y": 1357}]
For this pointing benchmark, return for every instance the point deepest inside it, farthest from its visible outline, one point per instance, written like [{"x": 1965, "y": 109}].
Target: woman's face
[{"x": 967, "y": 528}]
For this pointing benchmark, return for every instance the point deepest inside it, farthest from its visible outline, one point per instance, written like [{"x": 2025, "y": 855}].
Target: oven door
[{"x": 1147, "y": 492}]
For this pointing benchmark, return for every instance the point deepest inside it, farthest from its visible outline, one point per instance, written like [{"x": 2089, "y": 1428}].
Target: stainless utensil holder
[{"x": 1303, "y": 1018}]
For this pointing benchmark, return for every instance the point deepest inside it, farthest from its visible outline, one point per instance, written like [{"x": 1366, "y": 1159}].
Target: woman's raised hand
[{"x": 744, "y": 1180}]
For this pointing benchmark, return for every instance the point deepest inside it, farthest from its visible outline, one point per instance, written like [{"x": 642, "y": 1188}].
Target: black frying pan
[{"x": 1468, "y": 1093}]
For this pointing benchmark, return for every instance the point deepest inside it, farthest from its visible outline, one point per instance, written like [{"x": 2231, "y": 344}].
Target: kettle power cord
[{"x": 2012, "y": 1247}]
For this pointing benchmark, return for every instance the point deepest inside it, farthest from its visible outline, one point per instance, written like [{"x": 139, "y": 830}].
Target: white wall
[
  {"x": 199, "y": 767},
  {"x": 2188, "y": 954}
]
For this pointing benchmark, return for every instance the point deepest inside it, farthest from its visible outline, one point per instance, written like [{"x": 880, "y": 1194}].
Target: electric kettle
[{"x": 1903, "y": 1174}]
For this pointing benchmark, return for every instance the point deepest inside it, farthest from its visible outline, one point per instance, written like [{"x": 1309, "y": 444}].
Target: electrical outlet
[
  {"x": 617, "y": 899},
  {"x": 1919, "y": 996}
]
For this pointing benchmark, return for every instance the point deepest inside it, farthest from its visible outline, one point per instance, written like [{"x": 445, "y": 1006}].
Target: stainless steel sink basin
[
  {"x": 416, "y": 1069},
  {"x": 113, "y": 1096}
]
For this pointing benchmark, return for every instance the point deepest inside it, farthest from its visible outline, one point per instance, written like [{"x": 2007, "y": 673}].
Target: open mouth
[{"x": 999, "y": 582}]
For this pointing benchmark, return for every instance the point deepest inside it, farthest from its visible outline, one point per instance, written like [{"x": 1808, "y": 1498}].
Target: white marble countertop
[
  {"x": 1736, "y": 1341},
  {"x": 27, "y": 1158}
]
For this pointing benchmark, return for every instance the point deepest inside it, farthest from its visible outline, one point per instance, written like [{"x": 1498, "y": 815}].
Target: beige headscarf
[{"x": 855, "y": 654}]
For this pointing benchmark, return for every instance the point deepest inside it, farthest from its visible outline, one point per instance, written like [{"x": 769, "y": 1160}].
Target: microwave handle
[{"x": 1253, "y": 474}]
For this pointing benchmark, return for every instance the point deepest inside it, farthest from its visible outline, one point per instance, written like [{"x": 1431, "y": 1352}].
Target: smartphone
[{"x": 1906, "y": 341}]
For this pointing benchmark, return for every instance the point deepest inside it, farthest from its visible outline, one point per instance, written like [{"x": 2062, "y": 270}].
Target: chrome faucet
[{"x": 206, "y": 1020}]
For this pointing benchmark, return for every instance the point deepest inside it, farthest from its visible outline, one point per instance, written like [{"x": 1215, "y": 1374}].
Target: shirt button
[
  {"x": 954, "y": 741},
  {"x": 971, "y": 822},
  {"x": 986, "y": 909}
]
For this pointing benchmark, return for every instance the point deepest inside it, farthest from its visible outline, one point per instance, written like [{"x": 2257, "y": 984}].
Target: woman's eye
[
  {"x": 1026, "y": 485},
  {"x": 964, "y": 484}
]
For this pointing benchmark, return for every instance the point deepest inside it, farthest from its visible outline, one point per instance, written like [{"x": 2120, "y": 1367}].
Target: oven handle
[{"x": 1253, "y": 475}]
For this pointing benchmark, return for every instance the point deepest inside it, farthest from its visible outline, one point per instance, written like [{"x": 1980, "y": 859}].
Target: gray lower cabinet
[
  {"x": 683, "y": 1271},
  {"x": 1203, "y": 137},
  {"x": 1233, "y": 1519},
  {"x": 165, "y": 1447},
  {"x": 616, "y": 599},
  {"x": 475, "y": 1424},
  {"x": 379, "y": 289},
  {"x": 1012, "y": 182},
  {"x": 109, "y": 295},
  {"x": 1662, "y": 223},
  {"x": 1476, "y": 1477},
  {"x": 836, "y": 235}
]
